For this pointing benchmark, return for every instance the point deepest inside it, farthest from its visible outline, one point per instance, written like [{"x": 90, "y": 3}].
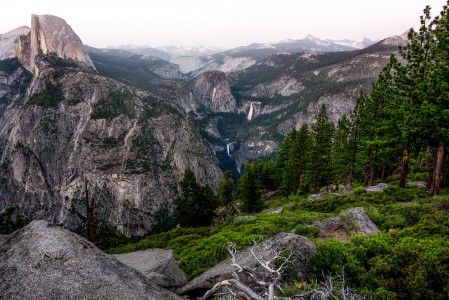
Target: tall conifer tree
[{"x": 320, "y": 155}]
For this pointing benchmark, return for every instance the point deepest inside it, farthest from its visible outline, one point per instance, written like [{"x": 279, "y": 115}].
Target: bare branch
[{"x": 234, "y": 284}]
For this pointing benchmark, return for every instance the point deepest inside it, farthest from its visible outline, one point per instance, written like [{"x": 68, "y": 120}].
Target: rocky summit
[
  {"x": 41, "y": 261},
  {"x": 51, "y": 35}
]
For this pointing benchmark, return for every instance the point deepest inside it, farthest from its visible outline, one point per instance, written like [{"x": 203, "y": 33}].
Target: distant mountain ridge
[{"x": 194, "y": 60}]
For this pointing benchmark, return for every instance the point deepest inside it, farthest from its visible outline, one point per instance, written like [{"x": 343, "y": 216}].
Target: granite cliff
[{"x": 63, "y": 125}]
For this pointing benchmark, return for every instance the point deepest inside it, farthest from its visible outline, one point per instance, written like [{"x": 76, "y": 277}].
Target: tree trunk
[
  {"x": 445, "y": 183},
  {"x": 384, "y": 173},
  {"x": 373, "y": 167},
  {"x": 350, "y": 179},
  {"x": 371, "y": 175},
  {"x": 404, "y": 168},
  {"x": 435, "y": 186},
  {"x": 352, "y": 166},
  {"x": 298, "y": 176},
  {"x": 366, "y": 175},
  {"x": 430, "y": 178}
]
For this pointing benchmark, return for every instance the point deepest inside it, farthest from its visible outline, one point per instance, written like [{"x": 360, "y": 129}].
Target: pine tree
[
  {"x": 288, "y": 163},
  {"x": 354, "y": 136},
  {"x": 226, "y": 189},
  {"x": 341, "y": 153},
  {"x": 197, "y": 203},
  {"x": 435, "y": 107},
  {"x": 320, "y": 159},
  {"x": 303, "y": 147},
  {"x": 411, "y": 81},
  {"x": 250, "y": 189},
  {"x": 269, "y": 174}
]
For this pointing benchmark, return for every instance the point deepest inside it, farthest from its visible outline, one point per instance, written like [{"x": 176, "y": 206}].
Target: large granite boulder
[
  {"x": 356, "y": 221},
  {"x": 41, "y": 261},
  {"x": 158, "y": 265},
  {"x": 302, "y": 250}
]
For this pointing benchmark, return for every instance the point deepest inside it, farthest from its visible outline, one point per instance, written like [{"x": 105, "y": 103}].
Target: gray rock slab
[
  {"x": 239, "y": 218},
  {"x": 377, "y": 188},
  {"x": 417, "y": 184},
  {"x": 42, "y": 262},
  {"x": 158, "y": 265}
]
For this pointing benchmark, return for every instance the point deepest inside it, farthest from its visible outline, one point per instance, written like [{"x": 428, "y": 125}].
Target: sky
[{"x": 224, "y": 24}]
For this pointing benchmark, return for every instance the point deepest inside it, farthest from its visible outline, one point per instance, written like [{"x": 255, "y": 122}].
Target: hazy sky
[{"x": 225, "y": 24}]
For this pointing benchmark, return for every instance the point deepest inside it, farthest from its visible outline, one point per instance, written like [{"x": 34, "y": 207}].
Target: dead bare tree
[
  {"x": 333, "y": 287},
  {"x": 269, "y": 283}
]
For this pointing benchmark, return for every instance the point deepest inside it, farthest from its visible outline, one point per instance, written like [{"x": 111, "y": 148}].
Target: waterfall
[
  {"x": 251, "y": 111},
  {"x": 228, "y": 146}
]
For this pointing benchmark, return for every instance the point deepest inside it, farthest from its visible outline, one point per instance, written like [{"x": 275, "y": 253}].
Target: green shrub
[
  {"x": 11, "y": 220},
  {"x": 418, "y": 176},
  {"x": 331, "y": 204},
  {"x": 307, "y": 230},
  {"x": 404, "y": 195},
  {"x": 360, "y": 191},
  {"x": 392, "y": 265}
]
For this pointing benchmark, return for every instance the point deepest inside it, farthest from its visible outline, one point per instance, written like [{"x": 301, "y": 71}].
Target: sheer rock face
[
  {"x": 210, "y": 91},
  {"x": 51, "y": 35},
  {"x": 41, "y": 261},
  {"x": 132, "y": 147}
]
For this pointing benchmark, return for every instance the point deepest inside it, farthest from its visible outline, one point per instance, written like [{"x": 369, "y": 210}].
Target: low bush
[
  {"x": 401, "y": 267},
  {"x": 11, "y": 220}
]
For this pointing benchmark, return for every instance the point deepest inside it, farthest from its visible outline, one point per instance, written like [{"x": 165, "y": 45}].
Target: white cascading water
[
  {"x": 228, "y": 148},
  {"x": 251, "y": 111}
]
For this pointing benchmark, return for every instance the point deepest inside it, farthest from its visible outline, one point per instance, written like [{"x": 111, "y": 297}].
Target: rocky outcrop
[
  {"x": 161, "y": 67},
  {"x": 332, "y": 228},
  {"x": 158, "y": 265},
  {"x": 10, "y": 41},
  {"x": 14, "y": 80},
  {"x": 283, "y": 86},
  {"x": 210, "y": 91},
  {"x": 379, "y": 188},
  {"x": 40, "y": 261},
  {"x": 356, "y": 221},
  {"x": 51, "y": 35},
  {"x": 301, "y": 247},
  {"x": 336, "y": 105},
  {"x": 350, "y": 222},
  {"x": 416, "y": 184}
]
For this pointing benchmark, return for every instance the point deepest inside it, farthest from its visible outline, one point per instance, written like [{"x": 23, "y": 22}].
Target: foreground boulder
[
  {"x": 41, "y": 261},
  {"x": 158, "y": 265},
  {"x": 302, "y": 250}
]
